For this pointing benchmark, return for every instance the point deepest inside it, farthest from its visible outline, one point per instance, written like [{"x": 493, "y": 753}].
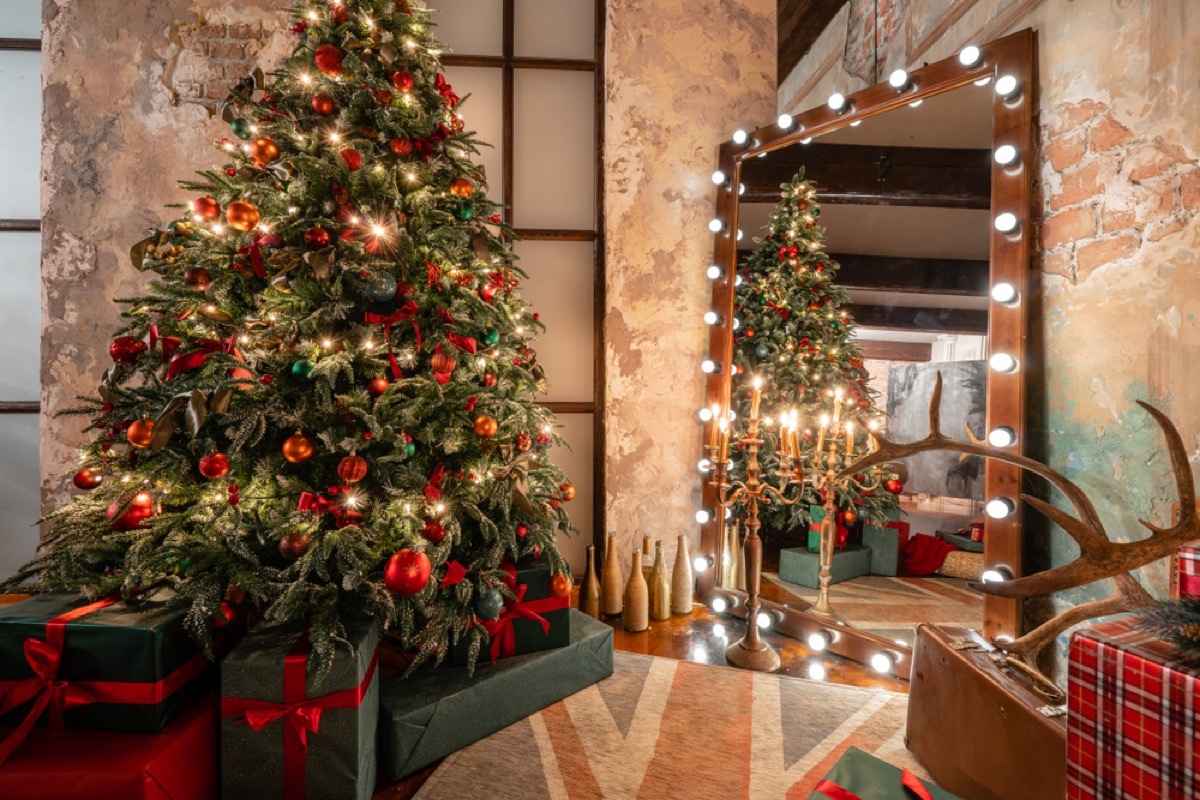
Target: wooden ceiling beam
[
  {"x": 931, "y": 320},
  {"x": 921, "y": 352},
  {"x": 800, "y": 24},
  {"x": 962, "y": 277}
]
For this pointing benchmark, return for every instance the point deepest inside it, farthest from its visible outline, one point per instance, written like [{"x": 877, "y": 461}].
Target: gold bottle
[
  {"x": 589, "y": 591},
  {"x": 682, "y": 582},
  {"x": 637, "y": 602},
  {"x": 610, "y": 579},
  {"x": 647, "y": 558},
  {"x": 660, "y": 586}
]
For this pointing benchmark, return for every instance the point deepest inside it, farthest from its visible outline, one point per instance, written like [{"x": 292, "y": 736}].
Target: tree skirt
[{"x": 660, "y": 728}]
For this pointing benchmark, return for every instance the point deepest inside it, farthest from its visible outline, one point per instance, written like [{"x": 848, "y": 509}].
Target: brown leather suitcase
[{"x": 984, "y": 732}]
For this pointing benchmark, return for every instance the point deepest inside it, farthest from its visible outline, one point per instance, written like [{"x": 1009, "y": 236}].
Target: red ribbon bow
[
  {"x": 433, "y": 489},
  {"x": 302, "y": 715},
  {"x": 907, "y": 780},
  {"x": 788, "y": 251},
  {"x": 406, "y": 311},
  {"x": 447, "y": 93},
  {"x": 462, "y": 342},
  {"x": 253, "y": 250},
  {"x": 782, "y": 312},
  {"x": 169, "y": 343},
  {"x": 504, "y": 639},
  {"x": 186, "y": 362},
  {"x": 321, "y": 504}
]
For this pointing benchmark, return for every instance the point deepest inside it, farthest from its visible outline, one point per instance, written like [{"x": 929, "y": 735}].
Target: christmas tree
[
  {"x": 794, "y": 332},
  {"x": 322, "y": 404}
]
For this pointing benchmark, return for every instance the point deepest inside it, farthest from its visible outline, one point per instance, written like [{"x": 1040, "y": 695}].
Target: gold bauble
[
  {"x": 263, "y": 151},
  {"x": 567, "y": 490},
  {"x": 485, "y": 427},
  {"x": 242, "y": 216},
  {"x": 461, "y": 187},
  {"x": 298, "y": 448},
  {"x": 140, "y": 433}
]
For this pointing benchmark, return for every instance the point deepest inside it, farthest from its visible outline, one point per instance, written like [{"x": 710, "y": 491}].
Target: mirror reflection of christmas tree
[
  {"x": 321, "y": 405},
  {"x": 794, "y": 332}
]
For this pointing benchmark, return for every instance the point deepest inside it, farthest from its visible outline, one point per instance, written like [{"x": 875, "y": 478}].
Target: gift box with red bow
[
  {"x": 858, "y": 775},
  {"x": 288, "y": 731},
  {"x": 106, "y": 665},
  {"x": 534, "y": 619},
  {"x": 1187, "y": 570}
]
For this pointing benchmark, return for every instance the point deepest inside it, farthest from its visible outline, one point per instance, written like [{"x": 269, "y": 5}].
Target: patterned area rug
[
  {"x": 661, "y": 729},
  {"x": 893, "y": 607}
]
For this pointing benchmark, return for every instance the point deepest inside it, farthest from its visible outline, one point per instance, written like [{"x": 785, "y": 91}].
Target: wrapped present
[
  {"x": 799, "y": 565},
  {"x": 858, "y": 775},
  {"x": 885, "y": 539},
  {"x": 435, "y": 712},
  {"x": 1133, "y": 724},
  {"x": 1187, "y": 570},
  {"x": 534, "y": 620},
  {"x": 107, "y": 665},
  {"x": 962, "y": 541},
  {"x": 288, "y": 731},
  {"x": 178, "y": 763},
  {"x": 816, "y": 514}
]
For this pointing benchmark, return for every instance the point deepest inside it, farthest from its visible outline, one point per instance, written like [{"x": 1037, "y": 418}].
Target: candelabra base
[
  {"x": 826, "y": 613},
  {"x": 761, "y": 660}
]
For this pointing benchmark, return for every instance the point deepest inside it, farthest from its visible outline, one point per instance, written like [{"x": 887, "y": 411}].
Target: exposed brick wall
[{"x": 212, "y": 57}]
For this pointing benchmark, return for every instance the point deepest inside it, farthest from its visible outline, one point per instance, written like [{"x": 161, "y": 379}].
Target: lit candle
[
  {"x": 754, "y": 398},
  {"x": 794, "y": 425},
  {"x": 722, "y": 453},
  {"x": 784, "y": 437},
  {"x": 821, "y": 433},
  {"x": 715, "y": 427},
  {"x": 872, "y": 445},
  {"x": 849, "y": 439},
  {"x": 837, "y": 406}
]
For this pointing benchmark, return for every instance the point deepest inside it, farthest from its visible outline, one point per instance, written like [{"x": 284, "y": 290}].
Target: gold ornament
[
  {"x": 242, "y": 216},
  {"x": 140, "y": 433},
  {"x": 567, "y": 490},
  {"x": 263, "y": 151},
  {"x": 485, "y": 427},
  {"x": 298, "y": 448},
  {"x": 461, "y": 187}
]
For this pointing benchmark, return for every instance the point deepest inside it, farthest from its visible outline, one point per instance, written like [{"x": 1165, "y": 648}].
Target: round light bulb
[
  {"x": 739, "y": 234},
  {"x": 1002, "y": 436},
  {"x": 700, "y": 563},
  {"x": 1003, "y": 362},
  {"x": 837, "y": 101},
  {"x": 737, "y": 323},
  {"x": 899, "y": 80},
  {"x": 702, "y": 516},
  {"x": 993, "y": 576},
  {"x": 714, "y": 272},
  {"x": 806, "y": 141},
  {"x": 704, "y": 465},
  {"x": 1006, "y": 222},
  {"x": 741, "y": 136},
  {"x": 719, "y": 604},
  {"x": 1007, "y": 86},
  {"x": 706, "y": 414},
  {"x": 1006, "y": 155},
  {"x": 915, "y": 103},
  {"x": 816, "y": 672},
  {"x": 882, "y": 663},
  {"x": 729, "y": 511},
  {"x": 712, "y": 318},
  {"x": 819, "y": 641},
  {"x": 969, "y": 56},
  {"x": 785, "y": 121},
  {"x": 719, "y": 178},
  {"x": 738, "y": 281},
  {"x": 742, "y": 186},
  {"x": 763, "y": 619},
  {"x": 709, "y": 366},
  {"x": 1004, "y": 293},
  {"x": 718, "y": 630},
  {"x": 999, "y": 508},
  {"x": 716, "y": 226}
]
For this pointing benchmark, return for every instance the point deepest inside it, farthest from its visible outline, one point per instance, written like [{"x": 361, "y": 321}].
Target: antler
[{"x": 1099, "y": 556}]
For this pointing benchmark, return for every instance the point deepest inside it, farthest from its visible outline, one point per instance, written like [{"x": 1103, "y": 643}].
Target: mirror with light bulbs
[{"x": 922, "y": 189}]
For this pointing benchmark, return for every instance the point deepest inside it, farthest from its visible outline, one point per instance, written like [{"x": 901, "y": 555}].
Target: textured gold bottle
[
  {"x": 681, "y": 578},
  {"x": 647, "y": 558},
  {"x": 660, "y": 586},
  {"x": 637, "y": 601},
  {"x": 610, "y": 579},
  {"x": 589, "y": 591}
]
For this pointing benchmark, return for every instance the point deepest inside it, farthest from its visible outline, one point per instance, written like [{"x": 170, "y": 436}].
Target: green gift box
[
  {"x": 113, "y": 665},
  {"x": 885, "y": 548},
  {"x": 435, "y": 712},
  {"x": 960, "y": 541},
  {"x": 799, "y": 565},
  {"x": 535, "y": 620},
  {"x": 288, "y": 731},
  {"x": 868, "y": 778}
]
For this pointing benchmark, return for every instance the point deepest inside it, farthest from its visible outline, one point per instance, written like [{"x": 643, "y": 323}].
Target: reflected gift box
[{"x": 858, "y": 775}]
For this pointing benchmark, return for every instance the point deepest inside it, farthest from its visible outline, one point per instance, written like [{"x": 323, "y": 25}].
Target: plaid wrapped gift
[
  {"x": 1132, "y": 717},
  {"x": 1187, "y": 569}
]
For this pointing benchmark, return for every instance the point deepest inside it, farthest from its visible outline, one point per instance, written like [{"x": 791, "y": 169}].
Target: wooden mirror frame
[{"x": 1008, "y": 324}]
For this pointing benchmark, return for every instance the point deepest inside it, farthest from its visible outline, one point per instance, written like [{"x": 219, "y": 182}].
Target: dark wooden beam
[
  {"x": 519, "y": 62},
  {"x": 20, "y": 407},
  {"x": 26, "y": 225},
  {"x": 895, "y": 351},
  {"x": 933, "y": 320},
  {"x": 800, "y": 23},
  {"x": 965, "y": 277},
  {"x": 29, "y": 45},
  {"x": 560, "y": 407},
  {"x": 867, "y": 175}
]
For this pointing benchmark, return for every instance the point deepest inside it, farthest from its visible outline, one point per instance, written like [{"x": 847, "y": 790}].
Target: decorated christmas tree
[
  {"x": 795, "y": 333},
  {"x": 321, "y": 405}
]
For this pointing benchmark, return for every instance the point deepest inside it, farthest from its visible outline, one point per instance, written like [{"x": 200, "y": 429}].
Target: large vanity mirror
[{"x": 916, "y": 200}]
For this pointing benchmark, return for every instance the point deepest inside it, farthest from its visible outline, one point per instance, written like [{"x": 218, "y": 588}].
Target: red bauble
[
  {"x": 560, "y": 585},
  {"x": 402, "y": 80},
  {"x": 316, "y": 238},
  {"x": 567, "y": 490},
  {"x": 434, "y": 531},
  {"x": 88, "y": 478},
  {"x": 126, "y": 349},
  {"x": 141, "y": 509},
  {"x": 522, "y": 530},
  {"x": 442, "y": 363},
  {"x": 197, "y": 278},
  {"x": 377, "y": 386},
  {"x": 322, "y": 104},
  {"x": 893, "y": 485},
  {"x": 401, "y": 146},
  {"x": 226, "y": 615},
  {"x": 214, "y": 465},
  {"x": 206, "y": 208},
  {"x": 849, "y": 516},
  {"x": 352, "y": 157},
  {"x": 329, "y": 60},
  {"x": 339, "y": 14},
  {"x": 489, "y": 379},
  {"x": 352, "y": 468},
  {"x": 407, "y": 572},
  {"x": 293, "y": 545},
  {"x": 488, "y": 292},
  {"x": 523, "y": 442},
  {"x": 140, "y": 433}
]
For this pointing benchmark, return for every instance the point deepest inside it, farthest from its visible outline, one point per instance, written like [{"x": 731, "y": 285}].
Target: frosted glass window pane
[
  {"x": 556, "y": 28},
  {"x": 21, "y": 312},
  {"x": 20, "y": 503},
  {"x": 577, "y": 463},
  {"x": 470, "y": 27},
  {"x": 560, "y": 288},
  {"x": 483, "y": 113},
  {"x": 20, "y": 133},
  {"x": 22, "y": 19},
  {"x": 554, "y": 149}
]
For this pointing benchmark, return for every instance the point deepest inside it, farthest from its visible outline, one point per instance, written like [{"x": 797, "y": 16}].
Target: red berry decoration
[
  {"x": 407, "y": 572},
  {"x": 226, "y": 615},
  {"x": 87, "y": 478},
  {"x": 214, "y": 465},
  {"x": 560, "y": 585},
  {"x": 329, "y": 60},
  {"x": 352, "y": 468},
  {"x": 522, "y": 530},
  {"x": 352, "y": 157},
  {"x": 293, "y": 545},
  {"x": 140, "y": 510},
  {"x": 434, "y": 531},
  {"x": 893, "y": 485},
  {"x": 316, "y": 238},
  {"x": 377, "y": 386},
  {"x": 206, "y": 208},
  {"x": 322, "y": 104},
  {"x": 126, "y": 349},
  {"x": 402, "y": 80}
]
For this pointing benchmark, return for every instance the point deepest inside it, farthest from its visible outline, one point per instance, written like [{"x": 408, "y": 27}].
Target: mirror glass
[{"x": 903, "y": 202}]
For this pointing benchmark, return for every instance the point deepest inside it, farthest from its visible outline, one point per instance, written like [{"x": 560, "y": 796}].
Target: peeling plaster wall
[
  {"x": 1118, "y": 248},
  {"x": 681, "y": 76}
]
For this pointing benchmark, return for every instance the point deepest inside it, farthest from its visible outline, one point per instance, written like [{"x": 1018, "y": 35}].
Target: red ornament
[
  {"x": 298, "y": 448},
  {"x": 88, "y": 478},
  {"x": 141, "y": 509},
  {"x": 368, "y": 436},
  {"x": 401, "y": 146},
  {"x": 339, "y": 14},
  {"x": 352, "y": 158},
  {"x": 567, "y": 490},
  {"x": 434, "y": 531},
  {"x": 126, "y": 349},
  {"x": 226, "y": 616},
  {"x": 214, "y": 465},
  {"x": 140, "y": 432},
  {"x": 322, "y": 104},
  {"x": 352, "y": 468},
  {"x": 293, "y": 545},
  {"x": 522, "y": 530},
  {"x": 316, "y": 238},
  {"x": 197, "y": 278},
  {"x": 402, "y": 80},
  {"x": 329, "y": 60},
  {"x": 267, "y": 380},
  {"x": 407, "y": 572},
  {"x": 206, "y": 208},
  {"x": 849, "y": 517},
  {"x": 442, "y": 363},
  {"x": 560, "y": 585},
  {"x": 893, "y": 485},
  {"x": 523, "y": 442},
  {"x": 377, "y": 386},
  {"x": 488, "y": 292},
  {"x": 489, "y": 379}
]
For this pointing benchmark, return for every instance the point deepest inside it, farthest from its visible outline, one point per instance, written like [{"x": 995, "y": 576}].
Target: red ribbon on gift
[
  {"x": 254, "y": 251},
  {"x": 48, "y": 691},
  {"x": 406, "y": 311},
  {"x": 907, "y": 780},
  {"x": 186, "y": 362},
  {"x": 843, "y": 533},
  {"x": 302, "y": 715},
  {"x": 504, "y": 638}
]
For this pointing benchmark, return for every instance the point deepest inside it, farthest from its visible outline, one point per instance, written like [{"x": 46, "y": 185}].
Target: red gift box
[
  {"x": 1132, "y": 717},
  {"x": 178, "y": 763},
  {"x": 1187, "y": 570}
]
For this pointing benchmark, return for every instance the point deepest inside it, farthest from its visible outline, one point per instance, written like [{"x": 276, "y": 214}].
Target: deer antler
[{"x": 1099, "y": 556}]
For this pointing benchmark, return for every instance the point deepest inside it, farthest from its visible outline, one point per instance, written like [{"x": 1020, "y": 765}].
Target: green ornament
[
  {"x": 182, "y": 566},
  {"x": 240, "y": 128},
  {"x": 464, "y": 212},
  {"x": 491, "y": 337},
  {"x": 410, "y": 449},
  {"x": 303, "y": 368}
]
